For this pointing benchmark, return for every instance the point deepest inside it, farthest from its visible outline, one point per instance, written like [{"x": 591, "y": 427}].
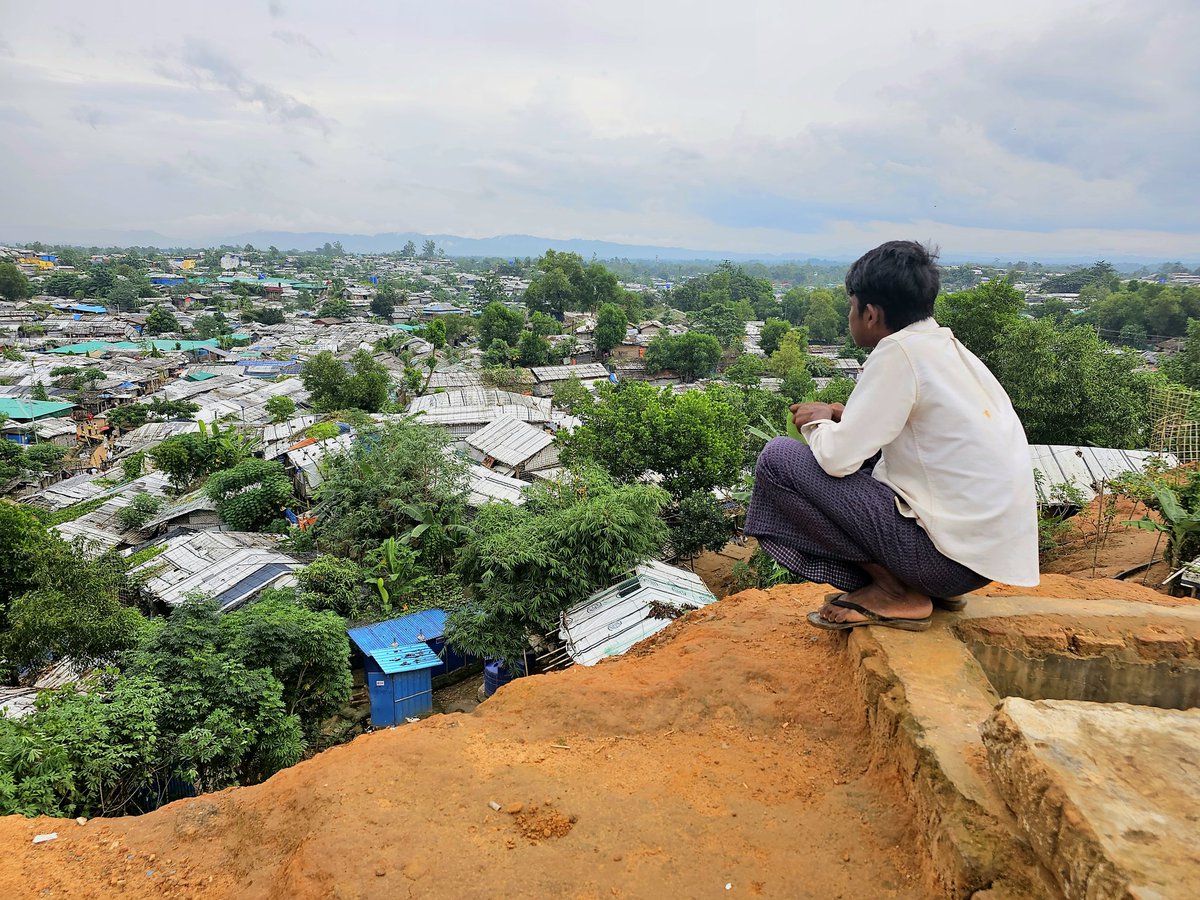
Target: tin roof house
[
  {"x": 232, "y": 566},
  {"x": 547, "y": 377},
  {"x": 512, "y": 447}
]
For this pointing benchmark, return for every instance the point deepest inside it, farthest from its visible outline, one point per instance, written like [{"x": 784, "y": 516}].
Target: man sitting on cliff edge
[{"x": 920, "y": 488}]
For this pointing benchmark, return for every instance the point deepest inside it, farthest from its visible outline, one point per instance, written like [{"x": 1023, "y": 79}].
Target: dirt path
[{"x": 723, "y": 754}]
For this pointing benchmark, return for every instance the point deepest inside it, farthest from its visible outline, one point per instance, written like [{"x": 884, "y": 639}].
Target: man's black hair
[{"x": 899, "y": 277}]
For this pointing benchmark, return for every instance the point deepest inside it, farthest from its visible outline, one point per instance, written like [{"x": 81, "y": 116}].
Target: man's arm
[{"x": 841, "y": 440}]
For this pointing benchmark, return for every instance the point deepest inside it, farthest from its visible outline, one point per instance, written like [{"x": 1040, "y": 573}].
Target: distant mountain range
[{"x": 506, "y": 245}]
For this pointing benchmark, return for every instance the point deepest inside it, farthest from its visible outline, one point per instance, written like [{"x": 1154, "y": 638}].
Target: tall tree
[
  {"x": 722, "y": 322},
  {"x": 375, "y": 489},
  {"x": 694, "y": 440},
  {"x": 690, "y": 356},
  {"x": 772, "y": 332},
  {"x": 499, "y": 323},
  {"x": 383, "y": 304},
  {"x": 979, "y": 316},
  {"x": 530, "y": 563},
  {"x": 13, "y": 283},
  {"x": 1069, "y": 387},
  {"x": 161, "y": 320},
  {"x": 252, "y": 495},
  {"x": 610, "y": 327}
]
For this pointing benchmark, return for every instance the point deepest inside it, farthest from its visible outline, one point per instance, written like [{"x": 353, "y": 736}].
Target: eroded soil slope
[{"x": 727, "y": 751}]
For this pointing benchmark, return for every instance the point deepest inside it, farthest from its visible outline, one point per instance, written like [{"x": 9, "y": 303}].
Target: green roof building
[{"x": 32, "y": 410}]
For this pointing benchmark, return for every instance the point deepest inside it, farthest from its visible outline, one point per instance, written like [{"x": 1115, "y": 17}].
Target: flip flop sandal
[
  {"x": 872, "y": 618},
  {"x": 949, "y": 604}
]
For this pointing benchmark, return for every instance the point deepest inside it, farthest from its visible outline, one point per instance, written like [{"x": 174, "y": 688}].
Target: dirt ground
[
  {"x": 724, "y": 753},
  {"x": 716, "y": 568},
  {"x": 724, "y": 757}
]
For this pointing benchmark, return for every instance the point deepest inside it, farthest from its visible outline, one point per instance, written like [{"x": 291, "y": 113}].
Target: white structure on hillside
[{"x": 611, "y": 621}]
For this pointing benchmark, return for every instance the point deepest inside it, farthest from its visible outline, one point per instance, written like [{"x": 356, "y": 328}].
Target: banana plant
[
  {"x": 398, "y": 571},
  {"x": 443, "y": 536},
  {"x": 1178, "y": 524}
]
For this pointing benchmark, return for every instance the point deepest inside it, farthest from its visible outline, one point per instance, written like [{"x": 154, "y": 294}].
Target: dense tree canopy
[
  {"x": 690, "y": 356},
  {"x": 610, "y": 327},
  {"x": 382, "y": 487},
  {"x": 980, "y": 315},
  {"x": 729, "y": 284},
  {"x": 529, "y": 563},
  {"x": 562, "y": 281},
  {"x": 722, "y": 321},
  {"x": 13, "y": 283},
  {"x": 364, "y": 384},
  {"x": 499, "y": 323},
  {"x": 161, "y": 320},
  {"x": 693, "y": 440},
  {"x": 251, "y": 495}
]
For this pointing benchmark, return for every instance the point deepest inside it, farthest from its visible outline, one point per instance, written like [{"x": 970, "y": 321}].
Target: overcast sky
[{"x": 1023, "y": 128}]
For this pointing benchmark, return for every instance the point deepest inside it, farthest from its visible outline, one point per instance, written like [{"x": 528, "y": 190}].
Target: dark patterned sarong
[{"x": 823, "y": 528}]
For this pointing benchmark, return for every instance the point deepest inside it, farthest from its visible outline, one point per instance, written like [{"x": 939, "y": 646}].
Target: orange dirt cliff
[{"x": 727, "y": 756}]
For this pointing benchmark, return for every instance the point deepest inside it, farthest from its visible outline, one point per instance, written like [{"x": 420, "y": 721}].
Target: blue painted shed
[
  {"x": 426, "y": 627},
  {"x": 399, "y": 682}
]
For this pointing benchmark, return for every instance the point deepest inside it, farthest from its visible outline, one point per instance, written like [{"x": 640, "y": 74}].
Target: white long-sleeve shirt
[{"x": 952, "y": 447}]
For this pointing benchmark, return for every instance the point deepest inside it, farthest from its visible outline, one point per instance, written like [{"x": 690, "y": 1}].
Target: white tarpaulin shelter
[{"x": 611, "y": 621}]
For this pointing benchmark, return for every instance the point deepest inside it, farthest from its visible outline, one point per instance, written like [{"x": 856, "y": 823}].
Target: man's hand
[{"x": 803, "y": 413}]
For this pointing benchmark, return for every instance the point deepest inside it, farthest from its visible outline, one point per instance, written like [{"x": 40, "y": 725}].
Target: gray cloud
[
  {"x": 210, "y": 66},
  {"x": 90, "y": 116},
  {"x": 296, "y": 39},
  {"x": 1063, "y": 127}
]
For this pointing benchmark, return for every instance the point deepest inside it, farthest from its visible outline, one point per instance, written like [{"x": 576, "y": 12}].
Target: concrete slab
[
  {"x": 927, "y": 696},
  {"x": 1107, "y": 794}
]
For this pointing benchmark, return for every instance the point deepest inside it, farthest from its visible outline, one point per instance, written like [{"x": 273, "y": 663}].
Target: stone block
[{"x": 1107, "y": 794}]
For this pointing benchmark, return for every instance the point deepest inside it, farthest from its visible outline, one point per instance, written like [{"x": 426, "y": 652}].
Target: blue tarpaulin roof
[
  {"x": 407, "y": 658},
  {"x": 410, "y": 629}
]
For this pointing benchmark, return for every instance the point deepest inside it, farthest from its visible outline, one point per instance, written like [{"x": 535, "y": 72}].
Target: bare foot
[{"x": 901, "y": 604}]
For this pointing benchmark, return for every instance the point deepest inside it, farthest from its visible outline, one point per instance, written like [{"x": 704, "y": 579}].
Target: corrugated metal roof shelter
[
  {"x": 425, "y": 628},
  {"x": 400, "y": 683},
  {"x": 32, "y": 410},
  {"x": 82, "y": 488},
  {"x": 487, "y": 486},
  {"x": 1085, "y": 467},
  {"x": 421, "y": 626},
  {"x": 18, "y": 702},
  {"x": 611, "y": 621},
  {"x": 584, "y": 372},
  {"x": 231, "y": 566},
  {"x": 513, "y": 445},
  {"x": 100, "y": 527},
  {"x": 307, "y": 460},
  {"x": 459, "y": 398},
  {"x": 459, "y": 422},
  {"x": 445, "y": 380},
  {"x": 546, "y": 377}
]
